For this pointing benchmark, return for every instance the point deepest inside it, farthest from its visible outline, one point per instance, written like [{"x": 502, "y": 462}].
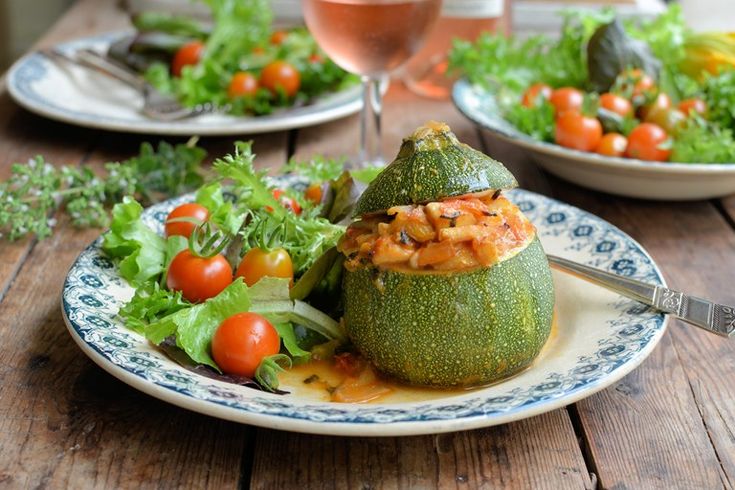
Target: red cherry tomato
[
  {"x": 242, "y": 84},
  {"x": 198, "y": 278},
  {"x": 287, "y": 202},
  {"x": 314, "y": 193},
  {"x": 534, "y": 92},
  {"x": 612, "y": 144},
  {"x": 278, "y": 37},
  {"x": 617, "y": 104},
  {"x": 189, "y": 54},
  {"x": 645, "y": 142},
  {"x": 693, "y": 105},
  {"x": 258, "y": 263},
  {"x": 566, "y": 99},
  {"x": 577, "y": 131},
  {"x": 661, "y": 103},
  {"x": 241, "y": 343},
  {"x": 279, "y": 75},
  {"x": 642, "y": 82},
  {"x": 188, "y": 210}
]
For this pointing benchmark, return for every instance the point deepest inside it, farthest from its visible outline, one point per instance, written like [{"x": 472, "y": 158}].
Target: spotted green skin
[
  {"x": 431, "y": 168},
  {"x": 454, "y": 329}
]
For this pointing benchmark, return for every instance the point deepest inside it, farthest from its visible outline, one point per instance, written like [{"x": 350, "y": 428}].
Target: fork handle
[
  {"x": 97, "y": 63},
  {"x": 713, "y": 317}
]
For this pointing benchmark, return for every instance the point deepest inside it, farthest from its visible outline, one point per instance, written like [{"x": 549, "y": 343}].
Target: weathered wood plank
[
  {"x": 65, "y": 423},
  {"x": 538, "y": 453},
  {"x": 24, "y": 135},
  {"x": 728, "y": 207},
  {"x": 541, "y": 452},
  {"x": 647, "y": 430}
]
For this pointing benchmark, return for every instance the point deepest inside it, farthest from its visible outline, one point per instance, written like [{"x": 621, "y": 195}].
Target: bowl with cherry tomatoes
[
  {"x": 608, "y": 142},
  {"x": 637, "y": 108}
]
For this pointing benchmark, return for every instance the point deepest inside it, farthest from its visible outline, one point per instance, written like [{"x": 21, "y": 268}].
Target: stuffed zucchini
[{"x": 446, "y": 283}]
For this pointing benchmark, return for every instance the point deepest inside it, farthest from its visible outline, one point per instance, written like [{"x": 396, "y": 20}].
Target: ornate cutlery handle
[
  {"x": 87, "y": 60},
  {"x": 713, "y": 317}
]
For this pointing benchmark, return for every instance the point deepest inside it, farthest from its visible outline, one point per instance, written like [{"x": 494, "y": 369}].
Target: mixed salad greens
[
  {"x": 233, "y": 282},
  {"x": 248, "y": 251},
  {"x": 651, "y": 90},
  {"x": 239, "y": 62}
]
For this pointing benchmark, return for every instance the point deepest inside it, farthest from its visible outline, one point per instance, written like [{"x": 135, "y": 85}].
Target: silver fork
[
  {"x": 156, "y": 105},
  {"x": 712, "y": 317}
]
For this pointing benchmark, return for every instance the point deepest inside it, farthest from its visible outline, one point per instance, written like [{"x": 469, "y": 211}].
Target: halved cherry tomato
[
  {"x": 258, "y": 263},
  {"x": 617, "y": 104},
  {"x": 577, "y": 131},
  {"x": 288, "y": 202},
  {"x": 566, "y": 99},
  {"x": 613, "y": 145},
  {"x": 281, "y": 75},
  {"x": 696, "y": 105},
  {"x": 278, "y": 37},
  {"x": 314, "y": 193},
  {"x": 189, "y": 210},
  {"x": 534, "y": 92},
  {"x": 646, "y": 142},
  {"x": 188, "y": 54},
  {"x": 242, "y": 341},
  {"x": 661, "y": 103},
  {"x": 242, "y": 84},
  {"x": 198, "y": 278}
]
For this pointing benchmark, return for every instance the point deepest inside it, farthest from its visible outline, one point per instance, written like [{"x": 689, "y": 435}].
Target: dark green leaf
[{"x": 611, "y": 51}]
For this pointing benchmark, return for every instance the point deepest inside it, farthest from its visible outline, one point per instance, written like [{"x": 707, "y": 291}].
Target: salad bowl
[
  {"x": 591, "y": 346},
  {"x": 616, "y": 175}
]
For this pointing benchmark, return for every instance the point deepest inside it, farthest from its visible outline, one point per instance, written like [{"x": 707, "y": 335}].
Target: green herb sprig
[{"x": 34, "y": 190}]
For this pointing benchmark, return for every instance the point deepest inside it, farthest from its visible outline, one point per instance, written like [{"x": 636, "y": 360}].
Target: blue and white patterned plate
[
  {"x": 599, "y": 338},
  {"x": 79, "y": 96},
  {"x": 623, "y": 176}
]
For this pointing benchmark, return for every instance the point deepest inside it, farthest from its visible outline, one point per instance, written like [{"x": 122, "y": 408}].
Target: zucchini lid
[{"x": 430, "y": 166}]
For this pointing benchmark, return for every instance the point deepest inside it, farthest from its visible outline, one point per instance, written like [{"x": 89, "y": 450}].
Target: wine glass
[{"x": 370, "y": 38}]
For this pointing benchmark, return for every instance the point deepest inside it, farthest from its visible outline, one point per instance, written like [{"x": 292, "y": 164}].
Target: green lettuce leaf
[
  {"x": 286, "y": 332},
  {"x": 141, "y": 250},
  {"x": 149, "y": 304},
  {"x": 195, "y": 326}
]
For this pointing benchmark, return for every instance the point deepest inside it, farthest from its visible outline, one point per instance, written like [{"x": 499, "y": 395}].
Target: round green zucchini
[
  {"x": 452, "y": 329},
  {"x": 430, "y": 166}
]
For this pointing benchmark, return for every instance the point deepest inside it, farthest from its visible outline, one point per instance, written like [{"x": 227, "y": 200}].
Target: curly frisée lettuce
[
  {"x": 245, "y": 208},
  {"x": 305, "y": 236}
]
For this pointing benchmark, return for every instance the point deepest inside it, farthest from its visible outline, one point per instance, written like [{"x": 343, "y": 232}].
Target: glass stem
[{"x": 370, "y": 142}]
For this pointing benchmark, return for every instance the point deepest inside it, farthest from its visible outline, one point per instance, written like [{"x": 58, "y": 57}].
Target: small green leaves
[{"x": 34, "y": 191}]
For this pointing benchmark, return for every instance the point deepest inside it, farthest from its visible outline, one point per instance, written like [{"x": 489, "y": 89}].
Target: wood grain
[
  {"x": 538, "y": 453},
  {"x": 647, "y": 431},
  {"x": 65, "y": 423},
  {"x": 541, "y": 452}
]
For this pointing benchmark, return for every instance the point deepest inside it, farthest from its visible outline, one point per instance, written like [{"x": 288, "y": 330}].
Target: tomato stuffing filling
[{"x": 454, "y": 234}]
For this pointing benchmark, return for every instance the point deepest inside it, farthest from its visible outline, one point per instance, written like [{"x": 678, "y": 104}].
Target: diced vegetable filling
[{"x": 478, "y": 230}]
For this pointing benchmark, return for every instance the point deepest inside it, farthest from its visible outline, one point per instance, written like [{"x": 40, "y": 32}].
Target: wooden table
[{"x": 64, "y": 422}]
